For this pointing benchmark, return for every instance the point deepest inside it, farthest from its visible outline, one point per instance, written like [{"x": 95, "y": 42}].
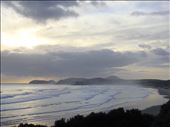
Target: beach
[{"x": 154, "y": 110}]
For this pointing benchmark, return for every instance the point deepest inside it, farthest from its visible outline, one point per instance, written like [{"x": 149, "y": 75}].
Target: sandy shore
[{"x": 154, "y": 110}]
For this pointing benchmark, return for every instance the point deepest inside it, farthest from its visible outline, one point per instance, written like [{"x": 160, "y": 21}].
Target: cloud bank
[{"x": 84, "y": 63}]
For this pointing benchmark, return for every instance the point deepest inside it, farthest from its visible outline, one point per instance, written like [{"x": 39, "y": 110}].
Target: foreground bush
[
  {"x": 163, "y": 119},
  {"x": 30, "y": 125}
]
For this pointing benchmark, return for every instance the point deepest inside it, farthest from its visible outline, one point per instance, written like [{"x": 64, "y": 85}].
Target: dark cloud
[
  {"x": 156, "y": 13},
  {"x": 98, "y": 3},
  {"x": 160, "y": 52},
  {"x": 69, "y": 64},
  {"x": 43, "y": 10},
  {"x": 144, "y": 46}
]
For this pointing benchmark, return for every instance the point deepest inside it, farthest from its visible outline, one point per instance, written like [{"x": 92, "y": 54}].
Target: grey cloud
[
  {"x": 43, "y": 10},
  {"x": 161, "y": 52},
  {"x": 156, "y": 13},
  {"x": 158, "y": 61},
  {"x": 98, "y": 3},
  {"x": 145, "y": 46},
  {"x": 68, "y": 64},
  {"x": 158, "y": 57}
]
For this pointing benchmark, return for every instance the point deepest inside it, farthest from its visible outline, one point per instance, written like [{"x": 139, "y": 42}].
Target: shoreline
[{"x": 154, "y": 110}]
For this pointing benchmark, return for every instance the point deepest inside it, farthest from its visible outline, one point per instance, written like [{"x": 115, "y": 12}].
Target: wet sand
[{"x": 154, "y": 110}]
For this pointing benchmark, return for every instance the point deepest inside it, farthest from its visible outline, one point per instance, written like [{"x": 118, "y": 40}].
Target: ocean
[{"x": 45, "y": 103}]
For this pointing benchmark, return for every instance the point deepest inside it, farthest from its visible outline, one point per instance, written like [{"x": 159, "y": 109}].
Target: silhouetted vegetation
[
  {"x": 30, "y": 125},
  {"x": 116, "y": 118},
  {"x": 163, "y": 119}
]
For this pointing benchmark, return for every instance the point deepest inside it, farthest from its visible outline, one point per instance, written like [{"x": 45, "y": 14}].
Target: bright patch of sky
[{"x": 119, "y": 26}]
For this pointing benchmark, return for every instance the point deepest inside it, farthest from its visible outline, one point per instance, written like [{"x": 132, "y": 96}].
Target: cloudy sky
[{"x": 56, "y": 40}]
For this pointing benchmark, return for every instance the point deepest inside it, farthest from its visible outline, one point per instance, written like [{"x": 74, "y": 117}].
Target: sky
[{"x": 61, "y": 39}]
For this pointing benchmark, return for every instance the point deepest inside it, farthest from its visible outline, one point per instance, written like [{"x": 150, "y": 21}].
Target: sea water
[{"x": 45, "y": 103}]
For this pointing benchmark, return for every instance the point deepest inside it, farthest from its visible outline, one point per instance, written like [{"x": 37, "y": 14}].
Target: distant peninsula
[
  {"x": 42, "y": 82},
  {"x": 104, "y": 81},
  {"x": 89, "y": 81}
]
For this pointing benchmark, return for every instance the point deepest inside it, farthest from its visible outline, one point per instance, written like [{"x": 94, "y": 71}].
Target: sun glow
[{"x": 21, "y": 39}]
